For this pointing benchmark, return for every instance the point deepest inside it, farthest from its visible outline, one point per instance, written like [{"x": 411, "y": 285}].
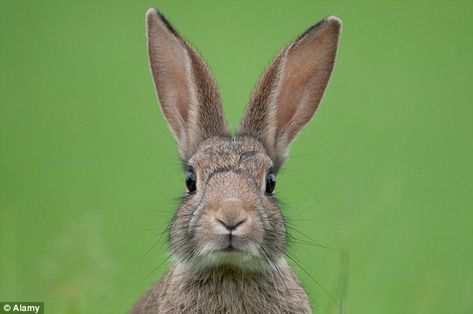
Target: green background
[{"x": 382, "y": 176}]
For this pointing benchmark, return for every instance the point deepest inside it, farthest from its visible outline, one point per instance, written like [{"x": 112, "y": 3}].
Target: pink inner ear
[
  {"x": 182, "y": 102},
  {"x": 170, "y": 63},
  {"x": 187, "y": 93},
  {"x": 173, "y": 100},
  {"x": 306, "y": 73}
]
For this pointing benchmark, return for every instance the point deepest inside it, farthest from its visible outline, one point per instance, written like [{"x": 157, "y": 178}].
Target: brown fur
[
  {"x": 225, "y": 291},
  {"x": 188, "y": 95},
  {"x": 228, "y": 237}
]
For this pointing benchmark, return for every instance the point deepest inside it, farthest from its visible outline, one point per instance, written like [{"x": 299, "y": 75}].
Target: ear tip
[
  {"x": 333, "y": 21},
  {"x": 151, "y": 12},
  {"x": 152, "y": 15},
  {"x": 154, "y": 18}
]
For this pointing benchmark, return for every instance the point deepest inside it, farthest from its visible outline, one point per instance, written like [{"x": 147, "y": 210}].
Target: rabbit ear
[
  {"x": 188, "y": 95},
  {"x": 291, "y": 89}
]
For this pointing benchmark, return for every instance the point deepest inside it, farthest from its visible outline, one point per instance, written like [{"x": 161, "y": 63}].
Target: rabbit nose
[
  {"x": 231, "y": 215},
  {"x": 232, "y": 226}
]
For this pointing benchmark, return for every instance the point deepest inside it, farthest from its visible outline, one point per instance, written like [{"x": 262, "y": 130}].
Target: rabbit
[{"x": 228, "y": 237}]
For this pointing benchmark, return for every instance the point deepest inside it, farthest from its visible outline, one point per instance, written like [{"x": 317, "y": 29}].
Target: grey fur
[{"x": 228, "y": 238}]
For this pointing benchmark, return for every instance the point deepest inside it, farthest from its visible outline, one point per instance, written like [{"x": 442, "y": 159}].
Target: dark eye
[
  {"x": 191, "y": 179},
  {"x": 270, "y": 182}
]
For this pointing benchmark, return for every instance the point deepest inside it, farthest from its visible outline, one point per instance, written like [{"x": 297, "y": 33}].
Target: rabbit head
[{"x": 229, "y": 216}]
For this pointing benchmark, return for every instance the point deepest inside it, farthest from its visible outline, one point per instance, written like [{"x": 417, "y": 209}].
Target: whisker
[
  {"x": 146, "y": 230},
  {"x": 148, "y": 251},
  {"x": 313, "y": 279},
  {"x": 157, "y": 267},
  {"x": 156, "y": 210},
  {"x": 311, "y": 240}
]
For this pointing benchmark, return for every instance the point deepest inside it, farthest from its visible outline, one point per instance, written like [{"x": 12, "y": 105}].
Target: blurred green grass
[{"x": 383, "y": 175}]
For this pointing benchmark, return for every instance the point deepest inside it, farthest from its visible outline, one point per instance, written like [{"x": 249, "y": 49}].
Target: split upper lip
[{"x": 230, "y": 244}]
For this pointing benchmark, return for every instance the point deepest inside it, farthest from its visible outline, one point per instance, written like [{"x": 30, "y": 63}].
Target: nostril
[{"x": 231, "y": 226}]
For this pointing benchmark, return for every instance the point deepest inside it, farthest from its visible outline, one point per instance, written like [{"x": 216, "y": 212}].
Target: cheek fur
[
  {"x": 182, "y": 234},
  {"x": 205, "y": 229}
]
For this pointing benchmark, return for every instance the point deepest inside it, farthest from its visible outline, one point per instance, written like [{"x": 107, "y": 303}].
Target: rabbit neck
[{"x": 227, "y": 290}]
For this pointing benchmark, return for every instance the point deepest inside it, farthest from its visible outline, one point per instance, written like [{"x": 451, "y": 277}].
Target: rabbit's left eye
[
  {"x": 191, "y": 181},
  {"x": 270, "y": 183}
]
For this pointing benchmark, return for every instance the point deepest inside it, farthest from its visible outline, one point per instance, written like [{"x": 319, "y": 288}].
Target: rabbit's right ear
[
  {"x": 291, "y": 89},
  {"x": 188, "y": 95}
]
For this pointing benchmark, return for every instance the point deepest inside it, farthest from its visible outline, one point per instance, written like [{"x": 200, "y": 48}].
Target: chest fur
[{"x": 231, "y": 293}]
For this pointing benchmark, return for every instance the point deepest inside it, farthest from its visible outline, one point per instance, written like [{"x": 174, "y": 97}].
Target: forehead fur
[{"x": 230, "y": 153}]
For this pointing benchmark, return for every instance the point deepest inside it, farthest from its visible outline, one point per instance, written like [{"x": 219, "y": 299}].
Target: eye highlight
[
  {"x": 270, "y": 183},
  {"x": 191, "y": 181}
]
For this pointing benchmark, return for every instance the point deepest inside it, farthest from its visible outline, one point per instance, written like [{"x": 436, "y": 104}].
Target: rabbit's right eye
[
  {"x": 270, "y": 183},
  {"x": 191, "y": 181}
]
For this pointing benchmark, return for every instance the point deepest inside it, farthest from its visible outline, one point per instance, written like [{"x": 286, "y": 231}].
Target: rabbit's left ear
[{"x": 291, "y": 88}]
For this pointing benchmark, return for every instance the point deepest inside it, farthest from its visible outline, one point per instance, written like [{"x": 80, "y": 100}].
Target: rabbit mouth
[
  {"x": 244, "y": 255},
  {"x": 235, "y": 252},
  {"x": 233, "y": 243},
  {"x": 240, "y": 259}
]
